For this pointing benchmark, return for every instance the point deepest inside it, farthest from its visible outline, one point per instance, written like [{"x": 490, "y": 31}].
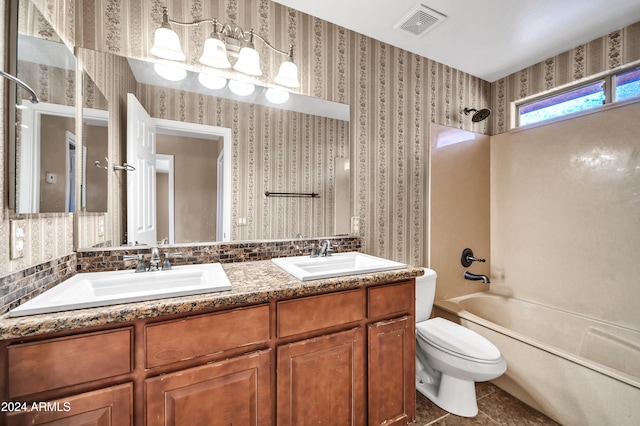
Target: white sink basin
[
  {"x": 307, "y": 268},
  {"x": 89, "y": 290}
]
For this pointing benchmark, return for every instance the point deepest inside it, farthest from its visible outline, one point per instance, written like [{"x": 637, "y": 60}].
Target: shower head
[{"x": 478, "y": 115}]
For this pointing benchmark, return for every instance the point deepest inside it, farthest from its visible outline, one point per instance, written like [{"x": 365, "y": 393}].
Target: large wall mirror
[
  {"x": 215, "y": 158},
  {"x": 45, "y": 137}
]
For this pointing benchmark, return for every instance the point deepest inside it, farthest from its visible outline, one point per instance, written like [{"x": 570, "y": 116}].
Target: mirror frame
[{"x": 12, "y": 93}]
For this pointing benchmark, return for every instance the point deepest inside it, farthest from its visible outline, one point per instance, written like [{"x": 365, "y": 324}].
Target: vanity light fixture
[
  {"x": 170, "y": 72},
  {"x": 276, "y": 96},
  {"x": 210, "y": 81},
  {"x": 241, "y": 88},
  {"x": 225, "y": 40}
]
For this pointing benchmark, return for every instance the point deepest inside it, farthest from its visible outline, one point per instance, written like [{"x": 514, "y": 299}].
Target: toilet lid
[{"x": 457, "y": 339}]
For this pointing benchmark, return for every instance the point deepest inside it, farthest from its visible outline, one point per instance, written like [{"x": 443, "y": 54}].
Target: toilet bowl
[{"x": 449, "y": 357}]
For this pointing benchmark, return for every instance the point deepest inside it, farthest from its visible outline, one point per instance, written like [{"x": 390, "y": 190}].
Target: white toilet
[{"x": 449, "y": 357}]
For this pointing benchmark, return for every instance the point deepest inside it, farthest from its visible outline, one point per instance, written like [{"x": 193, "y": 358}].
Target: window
[{"x": 626, "y": 83}]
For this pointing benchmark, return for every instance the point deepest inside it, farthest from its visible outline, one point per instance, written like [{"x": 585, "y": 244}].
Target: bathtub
[{"x": 574, "y": 369}]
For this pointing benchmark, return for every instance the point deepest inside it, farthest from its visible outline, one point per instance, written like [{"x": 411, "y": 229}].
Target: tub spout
[{"x": 475, "y": 277}]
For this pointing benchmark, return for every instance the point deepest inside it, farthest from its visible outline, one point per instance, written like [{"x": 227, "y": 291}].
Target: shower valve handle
[{"x": 467, "y": 258}]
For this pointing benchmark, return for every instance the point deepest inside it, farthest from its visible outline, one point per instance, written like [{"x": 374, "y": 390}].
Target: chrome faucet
[
  {"x": 314, "y": 250},
  {"x": 154, "y": 262},
  {"x": 140, "y": 266},
  {"x": 475, "y": 277},
  {"x": 325, "y": 248},
  {"x": 166, "y": 265}
]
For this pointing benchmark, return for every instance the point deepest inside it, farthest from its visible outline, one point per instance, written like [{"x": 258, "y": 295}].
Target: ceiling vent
[{"x": 420, "y": 21}]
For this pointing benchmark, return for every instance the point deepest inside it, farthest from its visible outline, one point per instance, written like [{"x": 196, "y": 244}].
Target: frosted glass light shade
[
  {"x": 210, "y": 81},
  {"x": 287, "y": 75},
  {"x": 248, "y": 62},
  {"x": 166, "y": 45},
  {"x": 241, "y": 88},
  {"x": 276, "y": 96},
  {"x": 214, "y": 53},
  {"x": 170, "y": 72}
]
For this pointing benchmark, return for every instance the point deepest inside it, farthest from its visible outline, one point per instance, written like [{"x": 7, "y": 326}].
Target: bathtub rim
[{"x": 452, "y": 307}]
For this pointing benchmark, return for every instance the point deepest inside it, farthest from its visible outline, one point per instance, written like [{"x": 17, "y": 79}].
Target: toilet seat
[{"x": 457, "y": 340}]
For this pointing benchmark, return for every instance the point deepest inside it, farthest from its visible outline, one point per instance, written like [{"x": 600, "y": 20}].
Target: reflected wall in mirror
[
  {"x": 269, "y": 149},
  {"x": 110, "y": 76},
  {"x": 45, "y": 142},
  {"x": 187, "y": 182},
  {"x": 95, "y": 143}
]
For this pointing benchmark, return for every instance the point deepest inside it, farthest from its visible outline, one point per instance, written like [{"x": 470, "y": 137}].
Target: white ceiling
[{"x": 489, "y": 39}]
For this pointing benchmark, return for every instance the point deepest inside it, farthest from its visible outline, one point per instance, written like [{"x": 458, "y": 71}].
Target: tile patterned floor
[{"x": 495, "y": 406}]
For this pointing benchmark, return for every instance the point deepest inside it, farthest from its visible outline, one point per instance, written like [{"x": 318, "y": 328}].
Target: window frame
[{"x": 609, "y": 89}]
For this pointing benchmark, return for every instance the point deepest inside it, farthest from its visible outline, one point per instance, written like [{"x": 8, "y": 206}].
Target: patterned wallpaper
[
  {"x": 59, "y": 14},
  {"x": 113, "y": 77}
]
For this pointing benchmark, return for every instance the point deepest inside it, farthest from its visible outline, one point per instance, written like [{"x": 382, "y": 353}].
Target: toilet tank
[{"x": 425, "y": 294}]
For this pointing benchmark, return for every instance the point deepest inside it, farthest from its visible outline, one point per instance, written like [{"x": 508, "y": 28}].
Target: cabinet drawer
[
  {"x": 66, "y": 361},
  {"x": 208, "y": 334},
  {"x": 391, "y": 299},
  {"x": 318, "y": 312}
]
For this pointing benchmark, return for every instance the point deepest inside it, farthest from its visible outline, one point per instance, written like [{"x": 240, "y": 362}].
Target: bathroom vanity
[{"x": 272, "y": 350}]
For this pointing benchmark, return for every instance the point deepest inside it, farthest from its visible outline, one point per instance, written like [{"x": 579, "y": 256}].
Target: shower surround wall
[
  {"x": 564, "y": 227},
  {"x": 565, "y": 206}
]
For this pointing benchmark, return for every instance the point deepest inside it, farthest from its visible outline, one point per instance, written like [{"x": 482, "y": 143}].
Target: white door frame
[
  {"x": 165, "y": 164},
  {"x": 220, "y": 231},
  {"x": 30, "y": 134},
  {"x": 204, "y": 131},
  {"x": 70, "y": 174}
]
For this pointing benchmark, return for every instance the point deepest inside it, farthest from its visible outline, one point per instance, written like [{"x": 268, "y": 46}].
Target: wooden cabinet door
[
  {"x": 233, "y": 391},
  {"x": 104, "y": 407},
  {"x": 392, "y": 397},
  {"x": 320, "y": 381}
]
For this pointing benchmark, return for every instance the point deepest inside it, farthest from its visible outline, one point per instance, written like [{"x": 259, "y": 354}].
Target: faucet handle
[
  {"x": 330, "y": 248},
  {"x": 314, "y": 249},
  {"x": 467, "y": 258},
  {"x": 166, "y": 265},
  {"x": 140, "y": 266}
]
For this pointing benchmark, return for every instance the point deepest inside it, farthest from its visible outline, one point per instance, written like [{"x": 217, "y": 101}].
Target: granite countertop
[{"x": 252, "y": 282}]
